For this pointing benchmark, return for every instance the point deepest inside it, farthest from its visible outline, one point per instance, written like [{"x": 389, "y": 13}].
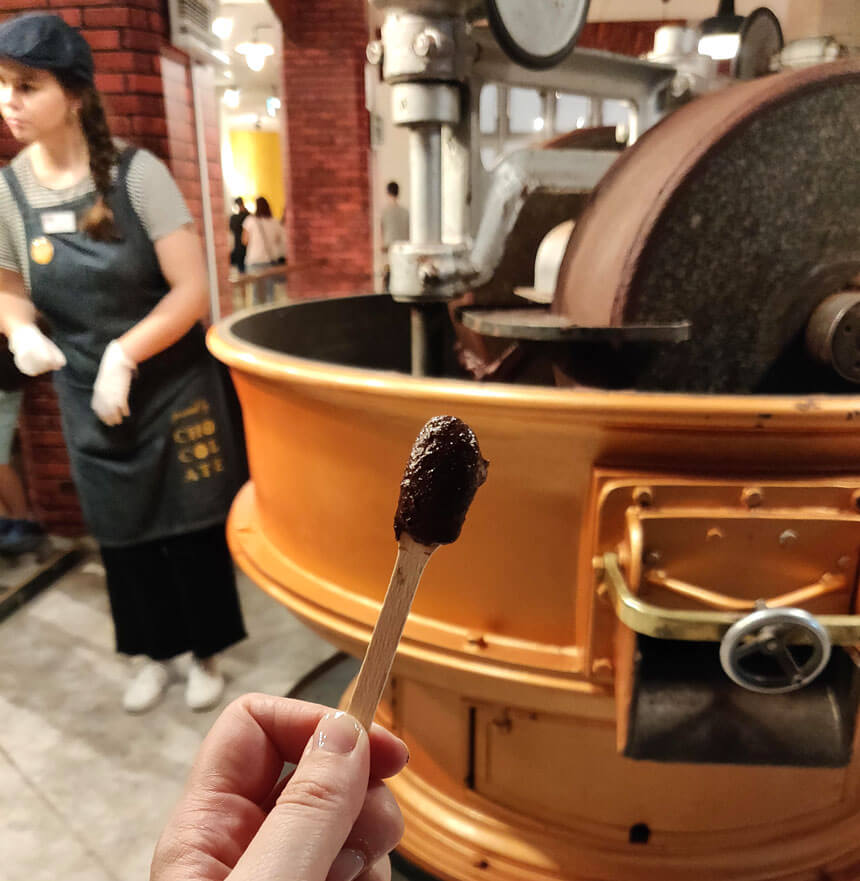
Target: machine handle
[
  {"x": 827, "y": 583},
  {"x": 693, "y": 626}
]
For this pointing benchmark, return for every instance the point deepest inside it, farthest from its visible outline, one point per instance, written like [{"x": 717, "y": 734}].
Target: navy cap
[{"x": 46, "y": 42}]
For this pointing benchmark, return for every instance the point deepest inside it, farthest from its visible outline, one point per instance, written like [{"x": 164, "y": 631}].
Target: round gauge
[
  {"x": 760, "y": 40},
  {"x": 538, "y": 34}
]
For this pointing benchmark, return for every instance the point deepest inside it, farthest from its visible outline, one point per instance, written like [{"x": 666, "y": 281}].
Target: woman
[
  {"x": 97, "y": 238},
  {"x": 265, "y": 241}
]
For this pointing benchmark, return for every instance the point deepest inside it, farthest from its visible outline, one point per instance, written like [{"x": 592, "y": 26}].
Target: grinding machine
[{"x": 638, "y": 662}]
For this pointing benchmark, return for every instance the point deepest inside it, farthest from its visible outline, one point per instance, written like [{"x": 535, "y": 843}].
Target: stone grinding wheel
[{"x": 739, "y": 212}]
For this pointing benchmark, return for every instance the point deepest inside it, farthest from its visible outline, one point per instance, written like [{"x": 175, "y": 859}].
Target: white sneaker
[
  {"x": 146, "y": 688},
  {"x": 205, "y": 684}
]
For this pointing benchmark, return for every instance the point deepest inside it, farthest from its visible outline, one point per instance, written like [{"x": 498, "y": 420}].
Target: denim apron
[{"x": 172, "y": 466}]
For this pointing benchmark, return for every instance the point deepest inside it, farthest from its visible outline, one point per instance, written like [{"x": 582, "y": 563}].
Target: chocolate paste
[{"x": 443, "y": 474}]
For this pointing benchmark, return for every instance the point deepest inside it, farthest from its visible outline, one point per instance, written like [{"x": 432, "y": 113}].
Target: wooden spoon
[{"x": 444, "y": 471}]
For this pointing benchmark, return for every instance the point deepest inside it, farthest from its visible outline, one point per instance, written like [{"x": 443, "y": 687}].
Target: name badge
[{"x": 59, "y": 222}]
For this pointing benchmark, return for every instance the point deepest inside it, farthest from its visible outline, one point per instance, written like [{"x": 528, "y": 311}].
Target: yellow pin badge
[{"x": 41, "y": 250}]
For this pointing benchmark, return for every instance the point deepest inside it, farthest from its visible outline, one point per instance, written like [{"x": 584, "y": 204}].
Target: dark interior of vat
[
  {"x": 373, "y": 331},
  {"x": 370, "y": 331}
]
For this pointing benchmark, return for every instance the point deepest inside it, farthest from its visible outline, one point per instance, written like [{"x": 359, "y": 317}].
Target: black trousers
[{"x": 174, "y": 595}]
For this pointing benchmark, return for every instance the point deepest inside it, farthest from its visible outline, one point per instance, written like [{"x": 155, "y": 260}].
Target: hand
[
  {"x": 331, "y": 820},
  {"x": 110, "y": 392},
  {"x": 34, "y": 353}
]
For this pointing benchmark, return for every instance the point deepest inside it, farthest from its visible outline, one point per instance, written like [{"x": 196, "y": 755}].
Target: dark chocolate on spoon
[{"x": 444, "y": 471}]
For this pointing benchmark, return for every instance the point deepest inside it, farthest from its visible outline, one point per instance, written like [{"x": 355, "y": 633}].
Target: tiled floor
[{"x": 84, "y": 787}]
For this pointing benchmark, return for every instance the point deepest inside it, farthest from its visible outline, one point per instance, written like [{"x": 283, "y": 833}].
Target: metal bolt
[
  {"x": 787, "y": 538},
  {"x": 503, "y": 723},
  {"x": 843, "y": 562},
  {"x": 374, "y": 52},
  {"x": 643, "y": 496},
  {"x": 714, "y": 534},
  {"x": 427, "y": 43},
  {"x": 428, "y": 273},
  {"x": 752, "y": 496},
  {"x": 601, "y": 666},
  {"x": 476, "y": 640},
  {"x": 651, "y": 557}
]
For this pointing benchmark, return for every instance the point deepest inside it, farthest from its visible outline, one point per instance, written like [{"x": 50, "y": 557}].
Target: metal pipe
[
  {"x": 197, "y": 90},
  {"x": 428, "y": 324},
  {"x": 420, "y": 338},
  {"x": 455, "y": 182},
  {"x": 425, "y": 167}
]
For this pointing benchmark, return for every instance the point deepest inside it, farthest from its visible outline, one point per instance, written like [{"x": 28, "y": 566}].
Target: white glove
[
  {"x": 110, "y": 392},
  {"x": 34, "y": 353}
]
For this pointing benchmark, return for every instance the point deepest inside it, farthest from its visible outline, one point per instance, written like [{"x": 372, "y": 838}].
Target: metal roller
[{"x": 739, "y": 213}]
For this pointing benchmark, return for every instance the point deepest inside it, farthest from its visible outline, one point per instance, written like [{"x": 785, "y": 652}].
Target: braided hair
[{"x": 99, "y": 222}]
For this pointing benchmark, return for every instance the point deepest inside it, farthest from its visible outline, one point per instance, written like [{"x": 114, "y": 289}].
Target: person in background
[
  {"x": 266, "y": 243},
  {"x": 394, "y": 226},
  {"x": 96, "y": 236},
  {"x": 331, "y": 819},
  {"x": 19, "y": 532},
  {"x": 237, "y": 255}
]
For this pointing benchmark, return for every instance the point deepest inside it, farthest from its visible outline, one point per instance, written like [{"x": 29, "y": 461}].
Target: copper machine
[{"x": 639, "y": 662}]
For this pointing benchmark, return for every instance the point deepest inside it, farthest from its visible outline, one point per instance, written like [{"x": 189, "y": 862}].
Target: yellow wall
[{"x": 257, "y": 167}]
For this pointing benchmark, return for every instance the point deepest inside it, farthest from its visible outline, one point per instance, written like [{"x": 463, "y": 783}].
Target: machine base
[
  {"x": 324, "y": 685},
  {"x": 468, "y": 838}
]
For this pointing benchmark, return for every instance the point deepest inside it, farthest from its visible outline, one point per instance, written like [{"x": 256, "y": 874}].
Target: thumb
[{"x": 306, "y": 829}]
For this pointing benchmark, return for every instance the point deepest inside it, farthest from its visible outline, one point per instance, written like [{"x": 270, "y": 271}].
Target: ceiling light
[
  {"x": 273, "y": 105},
  {"x": 720, "y": 34},
  {"x": 255, "y": 53},
  {"x": 222, "y": 27},
  {"x": 231, "y": 98},
  {"x": 720, "y": 47}
]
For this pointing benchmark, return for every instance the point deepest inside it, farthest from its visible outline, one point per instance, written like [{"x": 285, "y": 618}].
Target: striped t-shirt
[{"x": 152, "y": 191}]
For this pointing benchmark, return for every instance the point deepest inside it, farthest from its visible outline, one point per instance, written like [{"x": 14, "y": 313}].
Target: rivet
[
  {"x": 843, "y": 562},
  {"x": 752, "y": 496},
  {"x": 652, "y": 557},
  {"x": 787, "y": 538},
  {"x": 601, "y": 666},
  {"x": 714, "y": 534},
  {"x": 476, "y": 640},
  {"x": 643, "y": 496},
  {"x": 503, "y": 723}
]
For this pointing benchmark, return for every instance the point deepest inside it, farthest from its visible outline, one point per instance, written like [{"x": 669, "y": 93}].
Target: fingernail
[
  {"x": 337, "y": 733},
  {"x": 347, "y": 865}
]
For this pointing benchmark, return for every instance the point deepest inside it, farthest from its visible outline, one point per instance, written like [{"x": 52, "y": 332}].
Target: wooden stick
[{"x": 412, "y": 557}]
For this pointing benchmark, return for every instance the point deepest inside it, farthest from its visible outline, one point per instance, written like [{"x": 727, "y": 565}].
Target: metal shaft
[{"x": 425, "y": 166}]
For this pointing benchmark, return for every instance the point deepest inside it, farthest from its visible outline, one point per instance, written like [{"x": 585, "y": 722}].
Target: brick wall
[
  {"x": 623, "y": 37},
  {"x": 327, "y": 144},
  {"x": 145, "y": 84}
]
